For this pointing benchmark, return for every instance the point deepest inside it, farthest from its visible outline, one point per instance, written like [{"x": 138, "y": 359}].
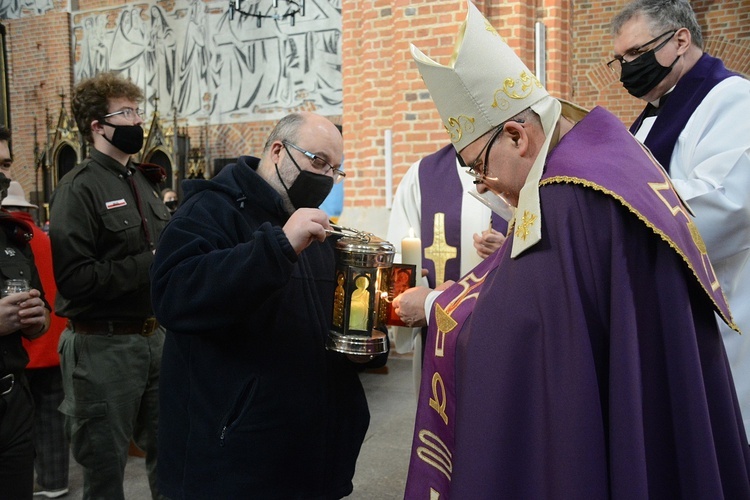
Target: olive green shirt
[{"x": 100, "y": 253}]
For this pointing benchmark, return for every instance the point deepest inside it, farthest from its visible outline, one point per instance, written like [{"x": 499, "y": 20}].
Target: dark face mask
[
  {"x": 640, "y": 76},
  {"x": 308, "y": 190},
  {"x": 127, "y": 138},
  {"x": 171, "y": 205}
]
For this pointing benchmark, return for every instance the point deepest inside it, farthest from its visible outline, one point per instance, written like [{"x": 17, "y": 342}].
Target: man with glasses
[
  {"x": 105, "y": 221},
  {"x": 696, "y": 124},
  {"x": 582, "y": 359},
  {"x": 244, "y": 282}
]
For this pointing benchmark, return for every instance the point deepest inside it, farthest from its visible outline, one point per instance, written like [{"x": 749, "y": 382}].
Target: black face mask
[
  {"x": 640, "y": 76},
  {"x": 171, "y": 205},
  {"x": 127, "y": 138},
  {"x": 308, "y": 190}
]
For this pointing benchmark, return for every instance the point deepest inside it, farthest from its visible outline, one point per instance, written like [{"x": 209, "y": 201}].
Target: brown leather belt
[{"x": 145, "y": 328}]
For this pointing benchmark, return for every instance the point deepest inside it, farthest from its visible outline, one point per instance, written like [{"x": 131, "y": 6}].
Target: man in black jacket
[
  {"x": 243, "y": 280},
  {"x": 22, "y": 314}
]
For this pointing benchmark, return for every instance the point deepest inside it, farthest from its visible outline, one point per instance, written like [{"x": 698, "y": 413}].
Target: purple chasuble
[
  {"x": 646, "y": 191},
  {"x": 683, "y": 101},
  {"x": 432, "y": 447},
  {"x": 591, "y": 366}
]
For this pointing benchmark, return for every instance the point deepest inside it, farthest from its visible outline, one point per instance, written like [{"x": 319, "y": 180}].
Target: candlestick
[{"x": 411, "y": 253}]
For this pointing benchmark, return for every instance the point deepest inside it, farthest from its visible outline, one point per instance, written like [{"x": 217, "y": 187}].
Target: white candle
[{"x": 411, "y": 253}]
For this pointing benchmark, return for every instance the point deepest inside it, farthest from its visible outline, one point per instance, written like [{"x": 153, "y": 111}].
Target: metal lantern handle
[{"x": 348, "y": 232}]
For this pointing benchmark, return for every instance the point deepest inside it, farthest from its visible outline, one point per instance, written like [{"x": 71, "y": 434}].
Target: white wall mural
[
  {"x": 192, "y": 59},
  {"x": 14, "y": 9}
]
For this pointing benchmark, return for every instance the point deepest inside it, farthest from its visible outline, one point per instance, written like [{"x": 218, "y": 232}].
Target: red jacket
[{"x": 43, "y": 351}]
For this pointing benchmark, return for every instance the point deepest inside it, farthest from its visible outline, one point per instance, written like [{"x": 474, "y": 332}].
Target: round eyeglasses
[{"x": 473, "y": 168}]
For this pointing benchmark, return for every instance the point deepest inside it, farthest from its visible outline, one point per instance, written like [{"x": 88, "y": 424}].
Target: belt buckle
[
  {"x": 149, "y": 327},
  {"x": 12, "y": 378}
]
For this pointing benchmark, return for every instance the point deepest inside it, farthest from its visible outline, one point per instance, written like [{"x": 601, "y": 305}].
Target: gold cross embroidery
[{"x": 440, "y": 251}]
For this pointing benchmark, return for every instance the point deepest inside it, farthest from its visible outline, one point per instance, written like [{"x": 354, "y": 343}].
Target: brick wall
[{"x": 39, "y": 66}]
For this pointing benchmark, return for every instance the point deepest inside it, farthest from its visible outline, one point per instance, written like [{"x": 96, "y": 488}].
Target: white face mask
[{"x": 496, "y": 203}]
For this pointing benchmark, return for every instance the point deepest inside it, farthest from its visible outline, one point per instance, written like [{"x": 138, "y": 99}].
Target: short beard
[{"x": 273, "y": 179}]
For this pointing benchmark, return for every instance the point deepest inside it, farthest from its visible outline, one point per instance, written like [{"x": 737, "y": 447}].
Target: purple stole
[
  {"x": 683, "y": 101},
  {"x": 442, "y": 193},
  {"x": 633, "y": 179},
  {"x": 439, "y": 178},
  {"x": 432, "y": 446}
]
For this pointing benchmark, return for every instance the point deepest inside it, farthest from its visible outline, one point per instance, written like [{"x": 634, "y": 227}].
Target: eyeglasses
[
  {"x": 128, "y": 113},
  {"x": 318, "y": 162},
  {"x": 473, "y": 167},
  {"x": 631, "y": 55}
]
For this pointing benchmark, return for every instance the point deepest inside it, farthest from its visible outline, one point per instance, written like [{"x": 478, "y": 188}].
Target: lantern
[{"x": 363, "y": 275}]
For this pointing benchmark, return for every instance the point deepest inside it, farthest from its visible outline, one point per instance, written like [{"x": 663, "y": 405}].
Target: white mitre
[{"x": 485, "y": 85}]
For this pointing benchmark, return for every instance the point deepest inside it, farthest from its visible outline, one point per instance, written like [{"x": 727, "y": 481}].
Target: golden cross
[{"x": 440, "y": 251}]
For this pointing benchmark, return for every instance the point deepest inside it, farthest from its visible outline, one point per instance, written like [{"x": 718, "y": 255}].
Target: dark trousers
[
  {"x": 111, "y": 386},
  {"x": 50, "y": 442},
  {"x": 16, "y": 445}
]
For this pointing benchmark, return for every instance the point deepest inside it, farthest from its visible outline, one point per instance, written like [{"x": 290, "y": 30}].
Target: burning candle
[{"x": 411, "y": 253}]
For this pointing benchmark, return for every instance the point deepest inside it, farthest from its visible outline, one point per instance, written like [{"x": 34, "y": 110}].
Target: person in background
[
  {"x": 22, "y": 315},
  {"x": 244, "y": 281},
  {"x": 43, "y": 371},
  {"x": 582, "y": 359},
  {"x": 169, "y": 197},
  {"x": 333, "y": 205},
  {"x": 433, "y": 203},
  {"x": 696, "y": 124},
  {"x": 105, "y": 221}
]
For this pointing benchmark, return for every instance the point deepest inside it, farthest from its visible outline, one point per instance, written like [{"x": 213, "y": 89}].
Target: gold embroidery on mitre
[
  {"x": 457, "y": 126},
  {"x": 490, "y": 28},
  {"x": 515, "y": 89},
  {"x": 527, "y": 221}
]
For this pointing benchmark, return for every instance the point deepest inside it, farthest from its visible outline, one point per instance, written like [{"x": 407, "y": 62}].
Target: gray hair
[
  {"x": 285, "y": 130},
  {"x": 661, "y": 15}
]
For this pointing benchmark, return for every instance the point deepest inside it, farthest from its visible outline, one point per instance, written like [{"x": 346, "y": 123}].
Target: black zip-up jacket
[{"x": 252, "y": 405}]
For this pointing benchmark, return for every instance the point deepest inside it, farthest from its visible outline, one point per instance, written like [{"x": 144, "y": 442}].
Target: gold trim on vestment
[{"x": 563, "y": 179}]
